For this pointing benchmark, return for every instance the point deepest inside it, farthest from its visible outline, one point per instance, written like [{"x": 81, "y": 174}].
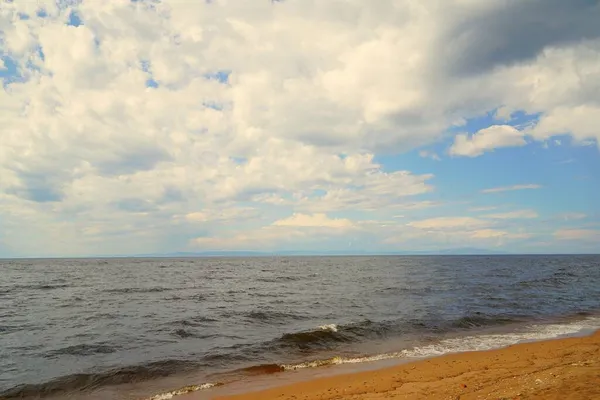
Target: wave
[
  {"x": 103, "y": 315},
  {"x": 50, "y": 287},
  {"x": 330, "y": 336},
  {"x": 491, "y": 341},
  {"x": 272, "y": 316},
  {"x": 329, "y": 327},
  {"x": 314, "y": 363},
  {"x": 278, "y": 279},
  {"x": 181, "y": 391},
  {"x": 195, "y": 321},
  {"x": 187, "y": 333},
  {"x": 461, "y": 344},
  {"x": 195, "y": 297},
  {"x": 182, "y": 333},
  {"x": 441, "y": 347},
  {"x": 326, "y": 337},
  {"x": 557, "y": 279},
  {"x": 261, "y": 369},
  {"x": 39, "y": 286},
  {"x": 334, "y": 336},
  {"x": 87, "y": 381},
  {"x": 478, "y": 321},
  {"x": 82, "y": 350},
  {"x": 138, "y": 290},
  {"x": 316, "y": 338}
]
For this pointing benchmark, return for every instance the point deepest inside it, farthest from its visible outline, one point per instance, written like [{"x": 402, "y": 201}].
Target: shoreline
[
  {"x": 562, "y": 368},
  {"x": 204, "y": 385}
]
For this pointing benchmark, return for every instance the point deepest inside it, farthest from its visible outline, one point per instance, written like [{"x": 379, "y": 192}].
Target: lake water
[{"x": 128, "y": 328}]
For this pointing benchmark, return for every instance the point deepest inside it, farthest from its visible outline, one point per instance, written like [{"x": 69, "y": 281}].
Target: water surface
[{"x": 82, "y": 327}]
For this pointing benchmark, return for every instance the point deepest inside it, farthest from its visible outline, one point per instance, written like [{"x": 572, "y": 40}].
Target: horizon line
[{"x": 290, "y": 254}]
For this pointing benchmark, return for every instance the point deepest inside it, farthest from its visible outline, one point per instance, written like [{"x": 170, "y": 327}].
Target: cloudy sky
[{"x": 132, "y": 127}]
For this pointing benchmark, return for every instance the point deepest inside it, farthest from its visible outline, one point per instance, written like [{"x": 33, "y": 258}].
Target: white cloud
[
  {"x": 254, "y": 110},
  {"x": 511, "y": 188},
  {"x": 487, "y": 139},
  {"x": 314, "y": 221},
  {"x": 429, "y": 154},
  {"x": 581, "y": 121},
  {"x": 442, "y": 223},
  {"x": 456, "y": 237},
  {"x": 481, "y": 209},
  {"x": 460, "y": 231},
  {"x": 503, "y": 113},
  {"x": 577, "y": 234},
  {"x": 572, "y": 216},
  {"x": 493, "y": 233},
  {"x": 520, "y": 214},
  {"x": 233, "y": 215},
  {"x": 377, "y": 191},
  {"x": 487, "y": 234},
  {"x": 417, "y": 205},
  {"x": 266, "y": 238}
]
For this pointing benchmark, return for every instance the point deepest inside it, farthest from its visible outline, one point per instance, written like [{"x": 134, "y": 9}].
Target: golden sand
[{"x": 555, "y": 369}]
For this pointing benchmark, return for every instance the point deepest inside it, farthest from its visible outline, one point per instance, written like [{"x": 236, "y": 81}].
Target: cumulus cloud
[
  {"x": 462, "y": 230},
  {"x": 441, "y": 223},
  {"x": 155, "y": 115},
  {"x": 572, "y": 216},
  {"x": 459, "y": 236},
  {"x": 487, "y": 139},
  {"x": 580, "y": 121},
  {"x": 577, "y": 234},
  {"x": 268, "y": 238},
  {"x": 379, "y": 191},
  {"x": 481, "y": 209},
  {"x": 494, "y": 233},
  {"x": 314, "y": 221},
  {"x": 303, "y": 229},
  {"x": 512, "y": 188},
  {"x": 520, "y": 214},
  {"x": 429, "y": 154},
  {"x": 232, "y": 215},
  {"x": 506, "y": 34}
]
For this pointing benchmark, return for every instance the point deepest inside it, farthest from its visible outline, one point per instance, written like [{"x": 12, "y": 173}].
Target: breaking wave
[
  {"x": 181, "y": 391},
  {"x": 316, "y": 338},
  {"x": 457, "y": 345},
  {"x": 80, "y": 382}
]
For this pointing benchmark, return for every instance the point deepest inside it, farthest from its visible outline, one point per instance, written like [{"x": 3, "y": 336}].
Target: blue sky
[{"x": 154, "y": 127}]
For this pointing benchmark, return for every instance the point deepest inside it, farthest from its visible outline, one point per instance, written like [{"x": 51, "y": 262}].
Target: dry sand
[{"x": 556, "y": 369}]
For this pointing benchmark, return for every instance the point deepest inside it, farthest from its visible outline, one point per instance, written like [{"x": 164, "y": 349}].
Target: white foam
[
  {"x": 466, "y": 343},
  {"x": 329, "y": 327},
  {"x": 183, "y": 390},
  {"x": 493, "y": 341},
  {"x": 445, "y": 346},
  {"x": 313, "y": 364}
]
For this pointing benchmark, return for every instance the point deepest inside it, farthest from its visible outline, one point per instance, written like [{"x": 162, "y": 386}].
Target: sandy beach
[{"x": 555, "y": 369}]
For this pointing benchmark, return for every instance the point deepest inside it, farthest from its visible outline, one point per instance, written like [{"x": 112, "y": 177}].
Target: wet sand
[{"x": 555, "y": 369}]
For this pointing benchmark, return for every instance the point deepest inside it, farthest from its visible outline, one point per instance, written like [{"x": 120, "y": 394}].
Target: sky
[{"x": 135, "y": 127}]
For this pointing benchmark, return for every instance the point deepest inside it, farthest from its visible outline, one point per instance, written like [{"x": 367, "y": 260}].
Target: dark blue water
[{"x": 85, "y": 327}]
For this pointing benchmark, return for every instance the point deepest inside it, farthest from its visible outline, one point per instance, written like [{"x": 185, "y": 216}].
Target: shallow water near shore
[{"x": 136, "y": 328}]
